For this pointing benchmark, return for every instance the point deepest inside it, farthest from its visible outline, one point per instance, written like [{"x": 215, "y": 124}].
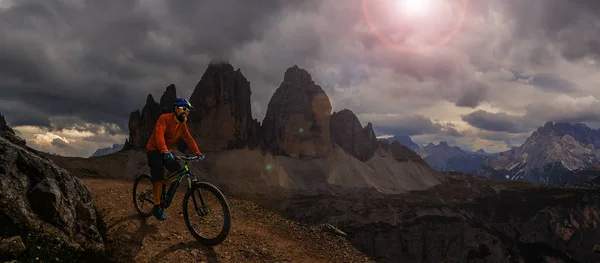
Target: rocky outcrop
[
  {"x": 4, "y": 127},
  {"x": 167, "y": 99},
  {"x": 348, "y": 133},
  {"x": 401, "y": 153},
  {"x": 141, "y": 125},
  {"x": 36, "y": 196},
  {"x": 297, "y": 118},
  {"x": 222, "y": 116},
  {"x": 8, "y": 133},
  {"x": 465, "y": 219},
  {"x": 408, "y": 142}
]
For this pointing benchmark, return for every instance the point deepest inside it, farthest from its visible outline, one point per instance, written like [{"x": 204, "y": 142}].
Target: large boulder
[
  {"x": 37, "y": 197},
  {"x": 222, "y": 116},
  {"x": 347, "y": 132},
  {"x": 297, "y": 118}
]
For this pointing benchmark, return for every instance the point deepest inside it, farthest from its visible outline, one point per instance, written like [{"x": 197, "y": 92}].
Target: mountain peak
[
  {"x": 297, "y": 75},
  {"x": 150, "y": 99},
  {"x": 443, "y": 144},
  {"x": 167, "y": 99}
]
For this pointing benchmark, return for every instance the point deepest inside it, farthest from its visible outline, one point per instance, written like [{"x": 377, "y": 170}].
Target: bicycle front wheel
[
  {"x": 143, "y": 198},
  {"x": 206, "y": 213}
]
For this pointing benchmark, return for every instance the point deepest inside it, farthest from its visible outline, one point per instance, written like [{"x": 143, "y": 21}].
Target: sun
[{"x": 413, "y": 7}]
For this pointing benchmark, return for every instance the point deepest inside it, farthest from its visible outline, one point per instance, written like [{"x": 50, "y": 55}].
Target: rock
[
  {"x": 141, "y": 125},
  {"x": 297, "y": 118},
  {"x": 8, "y": 133},
  {"x": 35, "y": 192},
  {"x": 167, "y": 99},
  {"x": 347, "y": 132},
  {"x": 334, "y": 230},
  {"x": 4, "y": 127},
  {"x": 255, "y": 135},
  {"x": 222, "y": 116},
  {"x": 402, "y": 153},
  {"x": 485, "y": 226},
  {"x": 12, "y": 246}
]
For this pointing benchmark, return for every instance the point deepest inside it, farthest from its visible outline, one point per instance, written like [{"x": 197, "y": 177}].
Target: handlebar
[{"x": 190, "y": 158}]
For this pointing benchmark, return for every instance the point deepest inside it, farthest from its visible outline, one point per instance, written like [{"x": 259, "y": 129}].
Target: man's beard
[{"x": 182, "y": 117}]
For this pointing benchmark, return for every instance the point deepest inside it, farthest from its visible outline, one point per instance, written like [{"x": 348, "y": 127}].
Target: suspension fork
[{"x": 203, "y": 210}]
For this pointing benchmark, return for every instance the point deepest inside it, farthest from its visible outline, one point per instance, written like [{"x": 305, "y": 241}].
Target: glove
[
  {"x": 168, "y": 156},
  {"x": 200, "y": 156}
]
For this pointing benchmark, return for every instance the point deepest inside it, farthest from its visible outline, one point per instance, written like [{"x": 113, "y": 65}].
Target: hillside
[{"x": 257, "y": 235}]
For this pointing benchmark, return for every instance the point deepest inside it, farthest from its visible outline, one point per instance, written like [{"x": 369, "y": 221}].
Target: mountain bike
[{"x": 195, "y": 198}]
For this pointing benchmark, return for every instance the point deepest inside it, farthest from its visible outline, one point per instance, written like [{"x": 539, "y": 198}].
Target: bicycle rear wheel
[
  {"x": 207, "y": 214},
  {"x": 143, "y": 197}
]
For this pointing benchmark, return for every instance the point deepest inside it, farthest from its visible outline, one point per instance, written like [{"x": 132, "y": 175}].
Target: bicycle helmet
[{"x": 179, "y": 102}]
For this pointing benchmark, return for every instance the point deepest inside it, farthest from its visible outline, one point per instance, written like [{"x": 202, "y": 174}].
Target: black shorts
[{"x": 157, "y": 165}]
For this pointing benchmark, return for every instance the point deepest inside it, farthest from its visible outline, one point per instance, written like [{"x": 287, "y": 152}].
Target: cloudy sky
[{"x": 478, "y": 74}]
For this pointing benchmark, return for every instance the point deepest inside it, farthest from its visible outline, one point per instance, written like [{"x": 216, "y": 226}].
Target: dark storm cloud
[
  {"x": 553, "y": 83},
  {"x": 473, "y": 96},
  {"x": 566, "y": 24},
  {"x": 67, "y": 63},
  {"x": 501, "y": 122},
  {"x": 97, "y": 60}
]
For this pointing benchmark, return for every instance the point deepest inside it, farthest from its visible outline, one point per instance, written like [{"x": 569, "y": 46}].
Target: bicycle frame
[{"x": 167, "y": 196}]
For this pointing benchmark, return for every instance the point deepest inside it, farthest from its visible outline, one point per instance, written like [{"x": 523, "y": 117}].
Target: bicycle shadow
[
  {"x": 128, "y": 242},
  {"x": 209, "y": 252}
]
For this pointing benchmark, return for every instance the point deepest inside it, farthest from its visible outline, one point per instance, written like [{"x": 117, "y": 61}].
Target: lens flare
[
  {"x": 413, "y": 7},
  {"x": 416, "y": 6}
]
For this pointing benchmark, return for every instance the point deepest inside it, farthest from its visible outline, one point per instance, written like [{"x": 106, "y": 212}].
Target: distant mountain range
[
  {"x": 557, "y": 154},
  {"x": 108, "y": 150},
  {"x": 444, "y": 157},
  {"x": 554, "y": 154}
]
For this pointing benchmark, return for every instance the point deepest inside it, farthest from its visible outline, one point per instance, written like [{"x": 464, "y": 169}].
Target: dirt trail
[{"x": 256, "y": 235}]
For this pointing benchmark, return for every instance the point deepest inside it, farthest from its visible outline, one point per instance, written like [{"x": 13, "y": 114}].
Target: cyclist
[{"x": 169, "y": 128}]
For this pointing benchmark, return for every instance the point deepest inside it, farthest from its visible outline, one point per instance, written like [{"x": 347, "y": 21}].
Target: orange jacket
[{"x": 167, "y": 131}]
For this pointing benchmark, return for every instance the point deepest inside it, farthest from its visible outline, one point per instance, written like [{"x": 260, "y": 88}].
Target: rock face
[
  {"x": 167, "y": 99},
  {"x": 141, "y": 125},
  {"x": 4, "y": 127},
  {"x": 401, "y": 153},
  {"x": 36, "y": 195},
  {"x": 348, "y": 133},
  {"x": 222, "y": 116},
  {"x": 548, "y": 156},
  {"x": 466, "y": 219},
  {"x": 297, "y": 118}
]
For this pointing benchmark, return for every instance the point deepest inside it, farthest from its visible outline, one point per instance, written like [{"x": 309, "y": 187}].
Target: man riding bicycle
[{"x": 169, "y": 128}]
